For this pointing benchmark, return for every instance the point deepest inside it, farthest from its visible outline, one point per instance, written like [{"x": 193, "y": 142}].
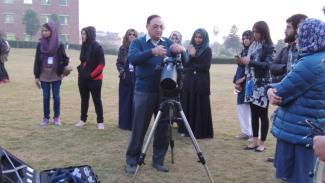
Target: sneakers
[
  {"x": 160, "y": 167},
  {"x": 80, "y": 124},
  {"x": 57, "y": 121},
  {"x": 243, "y": 136},
  {"x": 130, "y": 168},
  {"x": 45, "y": 122},
  {"x": 100, "y": 126}
]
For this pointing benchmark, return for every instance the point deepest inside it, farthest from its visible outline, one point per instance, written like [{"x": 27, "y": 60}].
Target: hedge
[
  {"x": 223, "y": 60},
  {"x": 29, "y": 44}
]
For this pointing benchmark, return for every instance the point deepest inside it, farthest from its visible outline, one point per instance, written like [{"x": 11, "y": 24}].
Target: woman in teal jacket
[{"x": 301, "y": 96}]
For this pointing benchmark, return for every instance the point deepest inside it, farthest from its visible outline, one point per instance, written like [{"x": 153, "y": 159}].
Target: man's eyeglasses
[{"x": 158, "y": 27}]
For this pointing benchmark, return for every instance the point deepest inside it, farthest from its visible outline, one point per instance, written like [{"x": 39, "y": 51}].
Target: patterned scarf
[{"x": 311, "y": 36}]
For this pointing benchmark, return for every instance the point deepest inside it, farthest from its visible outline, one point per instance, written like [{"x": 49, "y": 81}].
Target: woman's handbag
[{"x": 67, "y": 70}]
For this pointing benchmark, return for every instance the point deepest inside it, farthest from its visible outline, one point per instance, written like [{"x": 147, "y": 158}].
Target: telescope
[{"x": 171, "y": 66}]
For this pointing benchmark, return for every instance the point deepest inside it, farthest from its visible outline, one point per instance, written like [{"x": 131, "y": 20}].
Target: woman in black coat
[
  {"x": 92, "y": 63},
  {"x": 196, "y": 86},
  {"x": 126, "y": 86}
]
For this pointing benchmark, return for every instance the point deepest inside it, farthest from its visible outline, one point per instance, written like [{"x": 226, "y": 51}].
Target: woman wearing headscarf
[
  {"x": 300, "y": 96},
  {"x": 260, "y": 55},
  {"x": 243, "y": 108},
  {"x": 50, "y": 60},
  {"x": 4, "y": 51},
  {"x": 126, "y": 86},
  {"x": 176, "y": 37},
  {"x": 92, "y": 63},
  {"x": 196, "y": 86}
]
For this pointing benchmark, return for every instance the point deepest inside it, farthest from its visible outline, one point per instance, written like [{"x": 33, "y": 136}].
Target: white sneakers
[
  {"x": 100, "y": 126},
  {"x": 81, "y": 123}
]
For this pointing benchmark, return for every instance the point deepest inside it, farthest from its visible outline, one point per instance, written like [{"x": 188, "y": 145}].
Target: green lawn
[{"x": 50, "y": 147}]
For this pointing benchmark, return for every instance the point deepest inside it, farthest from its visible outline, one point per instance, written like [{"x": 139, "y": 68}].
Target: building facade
[{"x": 13, "y": 11}]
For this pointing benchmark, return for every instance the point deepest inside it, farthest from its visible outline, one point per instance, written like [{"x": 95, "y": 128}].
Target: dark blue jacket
[
  {"x": 303, "y": 97},
  {"x": 240, "y": 73},
  {"x": 140, "y": 55}
]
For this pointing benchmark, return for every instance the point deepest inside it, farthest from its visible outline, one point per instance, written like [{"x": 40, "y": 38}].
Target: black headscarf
[
  {"x": 89, "y": 44},
  {"x": 248, "y": 34},
  {"x": 205, "y": 44}
]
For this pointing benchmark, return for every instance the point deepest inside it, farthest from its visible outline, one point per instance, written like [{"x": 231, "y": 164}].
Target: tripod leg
[
  {"x": 146, "y": 145},
  {"x": 196, "y": 145},
  {"x": 171, "y": 142}
]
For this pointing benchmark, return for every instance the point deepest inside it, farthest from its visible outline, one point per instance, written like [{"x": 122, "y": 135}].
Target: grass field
[{"x": 50, "y": 147}]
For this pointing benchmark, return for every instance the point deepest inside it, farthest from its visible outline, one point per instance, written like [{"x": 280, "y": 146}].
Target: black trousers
[
  {"x": 93, "y": 87},
  {"x": 259, "y": 114}
]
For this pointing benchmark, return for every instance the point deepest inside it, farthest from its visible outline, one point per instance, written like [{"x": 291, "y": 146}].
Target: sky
[{"x": 188, "y": 15}]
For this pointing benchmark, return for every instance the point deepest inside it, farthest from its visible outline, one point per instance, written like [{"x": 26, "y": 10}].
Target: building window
[
  {"x": 10, "y": 36},
  {"x": 64, "y": 19},
  {"x": 64, "y": 38},
  {"x": 9, "y": 18},
  {"x": 28, "y": 1},
  {"x": 27, "y": 37},
  {"x": 45, "y": 2},
  {"x": 45, "y": 18},
  {"x": 9, "y": 1},
  {"x": 63, "y": 2}
]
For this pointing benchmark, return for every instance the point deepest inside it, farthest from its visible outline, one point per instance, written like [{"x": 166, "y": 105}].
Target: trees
[
  {"x": 279, "y": 45},
  {"x": 232, "y": 41},
  {"x": 219, "y": 50},
  {"x": 31, "y": 22}
]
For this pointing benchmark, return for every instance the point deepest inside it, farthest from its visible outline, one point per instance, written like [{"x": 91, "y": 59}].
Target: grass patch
[{"x": 50, "y": 147}]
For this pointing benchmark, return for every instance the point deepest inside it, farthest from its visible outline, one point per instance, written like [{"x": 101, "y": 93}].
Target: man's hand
[
  {"x": 191, "y": 50},
  {"x": 159, "y": 51},
  {"x": 177, "y": 48},
  {"x": 274, "y": 99},
  {"x": 319, "y": 147}
]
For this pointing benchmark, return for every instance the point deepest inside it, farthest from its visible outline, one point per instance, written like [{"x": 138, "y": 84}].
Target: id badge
[
  {"x": 50, "y": 60},
  {"x": 131, "y": 68}
]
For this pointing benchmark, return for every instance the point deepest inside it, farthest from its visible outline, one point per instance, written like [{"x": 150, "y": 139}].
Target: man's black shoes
[{"x": 160, "y": 167}]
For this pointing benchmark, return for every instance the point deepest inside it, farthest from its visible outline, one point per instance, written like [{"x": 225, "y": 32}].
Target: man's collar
[{"x": 148, "y": 38}]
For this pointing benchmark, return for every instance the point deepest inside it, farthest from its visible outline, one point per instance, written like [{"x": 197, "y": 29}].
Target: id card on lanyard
[
  {"x": 50, "y": 60},
  {"x": 131, "y": 68}
]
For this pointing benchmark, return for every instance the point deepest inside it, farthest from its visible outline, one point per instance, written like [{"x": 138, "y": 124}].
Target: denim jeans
[{"x": 46, "y": 87}]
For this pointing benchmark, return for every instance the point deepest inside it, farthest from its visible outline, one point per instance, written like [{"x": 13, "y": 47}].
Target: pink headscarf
[{"x": 50, "y": 45}]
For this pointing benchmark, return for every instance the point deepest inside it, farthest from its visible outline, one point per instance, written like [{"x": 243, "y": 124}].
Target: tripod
[{"x": 169, "y": 104}]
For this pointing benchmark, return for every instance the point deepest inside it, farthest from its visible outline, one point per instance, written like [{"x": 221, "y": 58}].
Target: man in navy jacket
[{"x": 146, "y": 53}]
